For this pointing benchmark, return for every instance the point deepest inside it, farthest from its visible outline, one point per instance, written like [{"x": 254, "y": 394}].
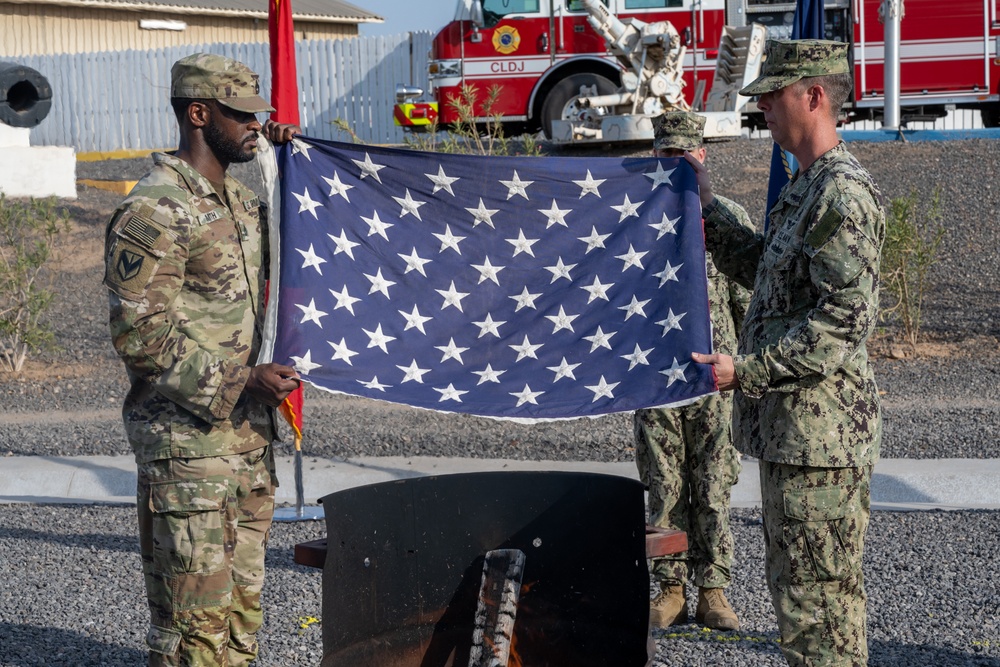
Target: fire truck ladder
[{"x": 740, "y": 53}]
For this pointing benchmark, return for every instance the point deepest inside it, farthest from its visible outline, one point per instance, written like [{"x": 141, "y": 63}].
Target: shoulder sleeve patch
[
  {"x": 827, "y": 225},
  {"x": 135, "y": 250}
]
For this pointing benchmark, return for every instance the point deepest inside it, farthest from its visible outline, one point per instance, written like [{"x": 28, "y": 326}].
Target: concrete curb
[{"x": 897, "y": 484}]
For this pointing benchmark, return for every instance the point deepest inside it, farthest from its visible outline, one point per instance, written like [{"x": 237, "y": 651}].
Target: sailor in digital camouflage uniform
[
  {"x": 186, "y": 256},
  {"x": 807, "y": 405},
  {"x": 685, "y": 455}
]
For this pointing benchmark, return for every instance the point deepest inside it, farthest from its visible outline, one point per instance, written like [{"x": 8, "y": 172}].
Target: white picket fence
[{"x": 110, "y": 101}]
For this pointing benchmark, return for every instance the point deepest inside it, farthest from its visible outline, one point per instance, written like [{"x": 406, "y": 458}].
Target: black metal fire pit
[{"x": 404, "y": 568}]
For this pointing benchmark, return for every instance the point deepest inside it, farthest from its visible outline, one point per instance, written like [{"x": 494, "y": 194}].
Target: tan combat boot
[
  {"x": 714, "y": 610},
  {"x": 669, "y": 607}
]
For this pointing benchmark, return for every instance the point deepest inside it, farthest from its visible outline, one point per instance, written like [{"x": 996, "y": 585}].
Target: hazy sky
[{"x": 406, "y": 15}]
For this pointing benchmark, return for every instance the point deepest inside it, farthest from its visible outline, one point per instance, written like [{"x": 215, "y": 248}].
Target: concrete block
[
  {"x": 14, "y": 136},
  {"x": 38, "y": 171}
]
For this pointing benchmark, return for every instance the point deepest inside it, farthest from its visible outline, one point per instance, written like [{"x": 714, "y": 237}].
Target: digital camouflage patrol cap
[
  {"x": 785, "y": 62},
  {"x": 205, "y": 76},
  {"x": 678, "y": 129}
]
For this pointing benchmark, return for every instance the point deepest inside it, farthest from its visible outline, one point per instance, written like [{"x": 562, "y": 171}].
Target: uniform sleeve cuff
[
  {"x": 751, "y": 374},
  {"x": 234, "y": 379}
]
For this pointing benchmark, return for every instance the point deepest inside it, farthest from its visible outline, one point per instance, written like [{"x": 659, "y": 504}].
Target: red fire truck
[{"x": 543, "y": 52}]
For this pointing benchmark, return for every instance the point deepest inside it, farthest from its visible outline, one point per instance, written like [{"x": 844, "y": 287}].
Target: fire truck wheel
[{"x": 560, "y": 103}]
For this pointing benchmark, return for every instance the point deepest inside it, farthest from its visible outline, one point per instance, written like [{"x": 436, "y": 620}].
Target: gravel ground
[{"x": 73, "y": 593}]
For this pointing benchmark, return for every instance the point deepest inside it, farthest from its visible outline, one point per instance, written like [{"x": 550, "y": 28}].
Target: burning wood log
[{"x": 497, "y": 608}]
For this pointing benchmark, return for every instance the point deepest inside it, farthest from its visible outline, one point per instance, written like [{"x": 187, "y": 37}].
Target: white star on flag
[
  {"x": 304, "y": 364},
  {"x": 631, "y": 258},
  {"x": 452, "y": 297},
  {"x": 451, "y": 351},
  {"x": 310, "y": 313},
  {"x": 442, "y": 181},
  {"x": 671, "y": 322},
  {"x": 344, "y": 300},
  {"x": 525, "y": 349},
  {"x": 379, "y": 284},
  {"x": 665, "y": 226},
  {"x": 338, "y": 188},
  {"x": 482, "y": 214},
  {"x": 525, "y": 299},
  {"x": 628, "y": 209},
  {"x": 674, "y": 373},
  {"x": 563, "y": 370},
  {"x": 600, "y": 339},
  {"x": 603, "y": 389},
  {"x": 307, "y": 204},
  {"x": 342, "y": 352},
  {"x": 487, "y": 271},
  {"x": 414, "y": 320},
  {"x": 555, "y": 215},
  {"x": 637, "y": 357},
  {"x": 413, "y": 372},
  {"x": 668, "y": 273},
  {"x": 516, "y": 186},
  {"x": 489, "y": 326},
  {"x": 589, "y": 185},
  {"x": 414, "y": 262},
  {"x": 522, "y": 244},
  {"x": 597, "y": 289},
  {"x": 634, "y": 308},
  {"x": 449, "y": 240},
  {"x": 659, "y": 177},
  {"x": 562, "y": 320},
  {"x": 344, "y": 245},
  {"x": 301, "y": 147},
  {"x": 560, "y": 270},
  {"x": 369, "y": 168},
  {"x": 375, "y": 384},
  {"x": 376, "y": 226},
  {"x": 409, "y": 205},
  {"x": 526, "y": 396},
  {"x": 488, "y": 375},
  {"x": 449, "y": 393},
  {"x": 311, "y": 259},
  {"x": 378, "y": 339},
  {"x": 595, "y": 240}
]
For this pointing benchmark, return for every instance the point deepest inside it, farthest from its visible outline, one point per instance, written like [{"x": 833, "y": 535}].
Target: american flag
[{"x": 509, "y": 287}]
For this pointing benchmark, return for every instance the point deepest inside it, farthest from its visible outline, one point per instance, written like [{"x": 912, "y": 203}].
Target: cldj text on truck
[{"x": 544, "y": 54}]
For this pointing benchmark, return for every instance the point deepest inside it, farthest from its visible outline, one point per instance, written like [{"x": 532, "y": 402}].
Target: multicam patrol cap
[
  {"x": 785, "y": 62},
  {"x": 206, "y": 76},
  {"x": 678, "y": 129}
]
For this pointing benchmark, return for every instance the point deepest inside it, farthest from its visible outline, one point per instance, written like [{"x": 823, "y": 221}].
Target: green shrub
[
  {"x": 913, "y": 238},
  {"x": 469, "y": 136},
  {"x": 29, "y": 231}
]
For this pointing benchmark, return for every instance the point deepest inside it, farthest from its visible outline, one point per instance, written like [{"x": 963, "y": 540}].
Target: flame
[{"x": 513, "y": 658}]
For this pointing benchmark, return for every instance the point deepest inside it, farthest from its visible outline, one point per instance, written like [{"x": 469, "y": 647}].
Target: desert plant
[
  {"x": 469, "y": 136},
  {"x": 913, "y": 238},
  {"x": 29, "y": 231}
]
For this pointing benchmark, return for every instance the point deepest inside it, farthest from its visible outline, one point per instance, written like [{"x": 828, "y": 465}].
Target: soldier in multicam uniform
[
  {"x": 186, "y": 257},
  {"x": 685, "y": 455},
  {"x": 807, "y": 404}
]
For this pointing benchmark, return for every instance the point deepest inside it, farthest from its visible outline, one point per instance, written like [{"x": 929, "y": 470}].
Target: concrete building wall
[{"x": 34, "y": 29}]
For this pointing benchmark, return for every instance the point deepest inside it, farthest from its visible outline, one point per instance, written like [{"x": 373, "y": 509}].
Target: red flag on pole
[
  {"x": 285, "y": 100},
  {"x": 284, "y": 88}
]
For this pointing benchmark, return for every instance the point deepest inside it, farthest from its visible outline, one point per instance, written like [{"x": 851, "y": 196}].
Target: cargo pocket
[
  {"x": 163, "y": 641},
  {"x": 779, "y": 261},
  {"x": 188, "y": 526},
  {"x": 817, "y": 531}
]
